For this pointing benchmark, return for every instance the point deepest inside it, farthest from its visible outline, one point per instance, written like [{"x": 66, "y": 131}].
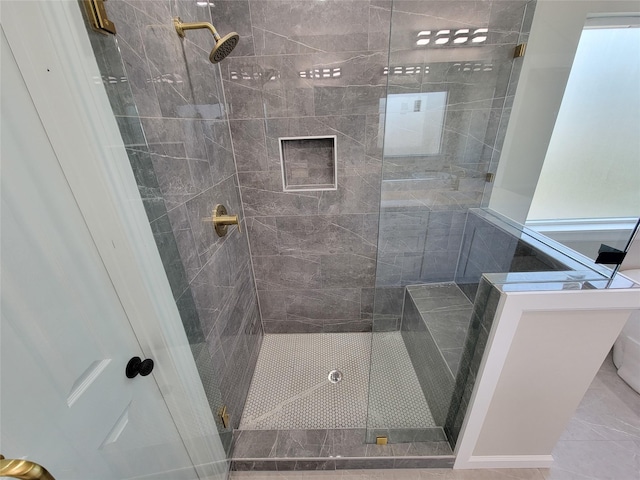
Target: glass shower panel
[
  {"x": 588, "y": 192},
  {"x": 449, "y": 80},
  {"x": 125, "y": 93}
]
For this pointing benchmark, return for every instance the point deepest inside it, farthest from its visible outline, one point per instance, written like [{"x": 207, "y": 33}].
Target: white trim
[
  {"x": 585, "y": 235},
  {"x": 486, "y": 382},
  {"x": 511, "y": 307},
  {"x": 612, "y": 20},
  {"x": 510, "y": 461},
  {"x": 581, "y": 224},
  {"x": 312, "y": 188},
  {"x": 54, "y": 55}
]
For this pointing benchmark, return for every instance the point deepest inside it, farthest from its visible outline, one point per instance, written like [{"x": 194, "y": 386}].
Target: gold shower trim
[
  {"x": 224, "y": 45},
  {"x": 182, "y": 26},
  {"x": 221, "y": 220},
  {"x": 98, "y": 16},
  {"x": 224, "y": 416},
  {"x": 24, "y": 469}
]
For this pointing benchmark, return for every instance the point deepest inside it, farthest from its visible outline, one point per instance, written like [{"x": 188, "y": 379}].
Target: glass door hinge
[
  {"x": 224, "y": 416},
  {"x": 98, "y": 16},
  {"x": 519, "y": 51},
  {"x": 381, "y": 440}
]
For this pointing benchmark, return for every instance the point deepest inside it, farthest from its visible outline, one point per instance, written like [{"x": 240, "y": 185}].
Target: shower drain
[{"x": 335, "y": 376}]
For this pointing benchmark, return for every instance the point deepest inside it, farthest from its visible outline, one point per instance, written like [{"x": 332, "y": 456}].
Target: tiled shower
[{"x": 370, "y": 263}]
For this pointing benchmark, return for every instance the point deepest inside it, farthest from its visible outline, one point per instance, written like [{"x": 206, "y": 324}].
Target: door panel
[{"x": 66, "y": 402}]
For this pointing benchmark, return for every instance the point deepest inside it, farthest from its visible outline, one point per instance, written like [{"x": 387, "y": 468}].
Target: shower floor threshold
[{"x": 331, "y": 449}]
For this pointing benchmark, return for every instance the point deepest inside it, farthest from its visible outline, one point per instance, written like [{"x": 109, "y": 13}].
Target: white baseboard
[{"x": 505, "y": 461}]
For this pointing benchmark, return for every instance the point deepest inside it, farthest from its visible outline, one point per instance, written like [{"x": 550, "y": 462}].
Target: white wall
[
  {"x": 545, "y": 375},
  {"x": 592, "y": 165},
  {"x": 544, "y": 349},
  {"x": 554, "y": 37}
]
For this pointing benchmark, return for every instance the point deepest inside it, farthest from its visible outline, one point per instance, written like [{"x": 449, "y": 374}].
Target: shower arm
[{"x": 182, "y": 26}]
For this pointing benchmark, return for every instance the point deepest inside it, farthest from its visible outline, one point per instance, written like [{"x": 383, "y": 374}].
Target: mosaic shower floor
[{"x": 291, "y": 389}]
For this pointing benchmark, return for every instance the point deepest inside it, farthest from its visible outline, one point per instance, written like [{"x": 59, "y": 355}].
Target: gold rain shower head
[{"x": 224, "y": 45}]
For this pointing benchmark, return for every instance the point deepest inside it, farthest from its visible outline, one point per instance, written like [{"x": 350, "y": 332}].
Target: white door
[{"x": 65, "y": 338}]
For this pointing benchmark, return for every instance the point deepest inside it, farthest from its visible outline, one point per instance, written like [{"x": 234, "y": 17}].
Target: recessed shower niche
[{"x": 308, "y": 163}]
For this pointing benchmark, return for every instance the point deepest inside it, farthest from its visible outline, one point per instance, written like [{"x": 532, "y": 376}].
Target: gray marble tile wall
[
  {"x": 425, "y": 198},
  {"x": 169, "y": 103},
  {"x": 310, "y": 68},
  {"x": 434, "y": 376},
  {"x": 446, "y": 311}
]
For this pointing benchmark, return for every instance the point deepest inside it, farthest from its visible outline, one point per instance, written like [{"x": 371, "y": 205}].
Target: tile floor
[
  {"x": 601, "y": 442},
  {"x": 290, "y": 388},
  {"x": 396, "y": 399}
]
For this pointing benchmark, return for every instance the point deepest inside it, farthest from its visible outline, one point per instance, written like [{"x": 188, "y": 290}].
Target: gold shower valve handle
[{"x": 221, "y": 220}]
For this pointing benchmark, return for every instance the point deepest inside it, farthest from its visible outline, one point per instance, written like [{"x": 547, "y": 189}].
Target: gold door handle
[{"x": 23, "y": 469}]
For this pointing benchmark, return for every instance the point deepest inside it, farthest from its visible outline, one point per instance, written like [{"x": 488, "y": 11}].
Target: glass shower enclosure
[
  {"x": 451, "y": 86},
  {"x": 437, "y": 113}
]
